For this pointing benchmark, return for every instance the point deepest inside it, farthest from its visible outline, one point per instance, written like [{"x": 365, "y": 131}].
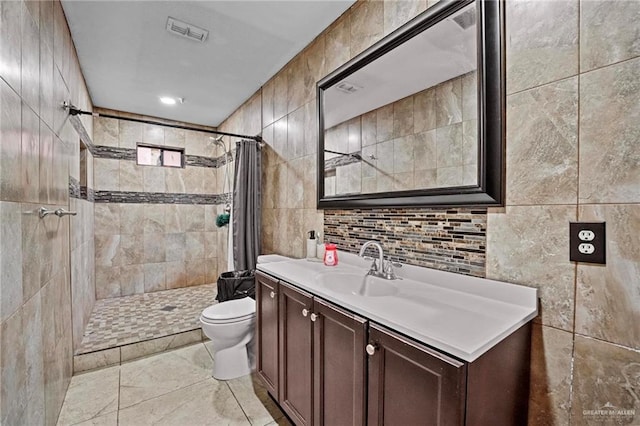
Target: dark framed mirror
[{"x": 418, "y": 118}]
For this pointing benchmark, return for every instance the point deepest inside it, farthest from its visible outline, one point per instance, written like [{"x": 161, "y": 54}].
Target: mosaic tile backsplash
[{"x": 453, "y": 240}]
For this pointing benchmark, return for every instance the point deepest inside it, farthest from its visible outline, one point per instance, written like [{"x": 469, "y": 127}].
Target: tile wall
[
  {"x": 164, "y": 236},
  {"x": 39, "y": 151},
  {"x": 573, "y": 81},
  {"x": 427, "y": 140}
]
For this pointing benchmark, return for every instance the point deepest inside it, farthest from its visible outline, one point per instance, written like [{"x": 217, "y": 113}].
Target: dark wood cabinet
[
  {"x": 410, "y": 384},
  {"x": 296, "y": 354},
  {"x": 267, "y": 289},
  {"x": 339, "y": 366},
  {"x": 328, "y": 366}
]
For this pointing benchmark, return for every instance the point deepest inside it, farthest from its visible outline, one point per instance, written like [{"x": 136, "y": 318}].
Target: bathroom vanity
[{"x": 338, "y": 347}]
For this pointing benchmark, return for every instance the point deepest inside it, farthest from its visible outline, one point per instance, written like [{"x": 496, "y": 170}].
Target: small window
[{"x": 160, "y": 156}]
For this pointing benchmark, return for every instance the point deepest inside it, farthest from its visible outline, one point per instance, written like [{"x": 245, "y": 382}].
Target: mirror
[{"x": 418, "y": 118}]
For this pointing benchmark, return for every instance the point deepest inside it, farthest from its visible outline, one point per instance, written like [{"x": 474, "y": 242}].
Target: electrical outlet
[
  {"x": 586, "y": 248},
  {"x": 586, "y": 235},
  {"x": 587, "y": 242}
]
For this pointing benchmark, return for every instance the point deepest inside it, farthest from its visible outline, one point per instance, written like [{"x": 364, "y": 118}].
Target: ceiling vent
[
  {"x": 189, "y": 31},
  {"x": 348, "y": 88}
]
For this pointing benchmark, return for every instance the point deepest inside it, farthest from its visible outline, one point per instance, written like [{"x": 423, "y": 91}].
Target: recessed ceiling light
[{"x": 167, "y": 100}]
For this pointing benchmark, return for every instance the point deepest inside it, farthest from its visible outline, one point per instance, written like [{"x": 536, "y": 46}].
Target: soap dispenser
[{"x": 311, "y": 244}]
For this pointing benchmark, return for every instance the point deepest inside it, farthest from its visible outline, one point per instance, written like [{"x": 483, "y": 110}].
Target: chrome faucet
[{"x": 380, "y": 267}]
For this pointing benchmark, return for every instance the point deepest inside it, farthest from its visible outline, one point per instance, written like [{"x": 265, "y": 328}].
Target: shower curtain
[{"x": 246, "y": 211}]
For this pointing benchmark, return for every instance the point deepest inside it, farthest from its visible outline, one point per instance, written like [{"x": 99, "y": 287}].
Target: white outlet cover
[{"x": 586, "y": 235}]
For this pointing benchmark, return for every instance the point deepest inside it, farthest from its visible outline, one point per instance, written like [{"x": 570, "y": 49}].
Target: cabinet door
[
  {"x": 296, "y": 350},
  {"x": 267, "y": 331},
  {"x": 339, "y": 366},
  {"x": 410, "y": 384}
]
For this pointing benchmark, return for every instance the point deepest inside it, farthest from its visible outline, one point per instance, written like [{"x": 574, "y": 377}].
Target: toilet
[{"x": 231, "y": 325}]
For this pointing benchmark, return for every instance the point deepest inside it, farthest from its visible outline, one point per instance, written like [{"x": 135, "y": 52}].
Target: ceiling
[{"x": 129, "y": 60}]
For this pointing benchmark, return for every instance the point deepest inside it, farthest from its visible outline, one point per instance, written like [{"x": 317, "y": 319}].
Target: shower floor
[{"x": 142, "y": 324}]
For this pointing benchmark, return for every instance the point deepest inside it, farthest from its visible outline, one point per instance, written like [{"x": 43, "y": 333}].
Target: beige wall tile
[
  {"x": 337, "y": 48},
  {"x": 605, "y": 378},
  {"x": 519, "y": 241},
  {"x": 131, "y": 176},
  {"x": 367, "y": 25},
  {"x": 10, "y": 259},
  {"x": 609, "y": 128},
  {"x": 107, "y": 281},
  {"x": 30, "y": 60},
  {"x": 106, "y": 132},
  {"x": 607, "y": 32},
  {"x": 544, "y": 52},
  {"x": 11, "y": 41},
  {"x": 542, "y": 144},
  {"x": 267, "y": 102},
  {"x": 397, "y": 12},
  {"x": 154, "y": 277},
  {"x": 606, "y": 302},
  {"x": 550, "y": 389},
  {"x": 176, "y": 274},
  {"x": 10, "y": 141},
  {"x": 280, "y": 94}
]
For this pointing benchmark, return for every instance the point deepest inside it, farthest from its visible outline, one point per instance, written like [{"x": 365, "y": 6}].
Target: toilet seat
[{"x": 230, "y": 311}]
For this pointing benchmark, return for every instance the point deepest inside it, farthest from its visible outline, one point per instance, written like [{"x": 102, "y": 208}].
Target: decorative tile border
[
  {"x": 113, "y": 153},
  {"x": 87, "y": 194},
  {"x": 129, "y": 154},
  {"x": 158, "y": 198},
  {"x": 448, "y": 239}
]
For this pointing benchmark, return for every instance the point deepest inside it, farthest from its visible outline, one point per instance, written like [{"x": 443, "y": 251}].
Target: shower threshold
[{"x": 129, "y": 327}]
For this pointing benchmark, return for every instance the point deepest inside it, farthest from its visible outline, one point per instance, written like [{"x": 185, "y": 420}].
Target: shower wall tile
[
  {"x": 11, "y": 42},
  {"x": 544, "y": 52},
  {"x": 131, "y": 177},
  {"x": 11, "y": 293},
  {"x": 106, "y": 132},
  {"x": 607, "y": 32},
  {"x": 154, "y": 277},
  {"x": 30, "y": 60},
  {"x": 129, "y": 134},
  {"x": 10, "y": 140},
  {"x": 176, "y": 274},
  {"x": 609, "y": 129},
  {"x": 30, "y": 155},
  {"x": 106, "y": 174}
]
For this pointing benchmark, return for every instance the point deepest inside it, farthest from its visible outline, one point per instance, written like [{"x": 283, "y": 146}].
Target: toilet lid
[{"x": 231, "y": 309}]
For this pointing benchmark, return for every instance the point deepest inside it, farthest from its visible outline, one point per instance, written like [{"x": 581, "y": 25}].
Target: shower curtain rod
[{"x": 76, "y": 111}]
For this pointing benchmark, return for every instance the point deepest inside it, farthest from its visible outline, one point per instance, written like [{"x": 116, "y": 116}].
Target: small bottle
[
  {"x": 311, "y": 244},
  {"x": 330, "y": 255},
  {"x": 320, "y": 249}
]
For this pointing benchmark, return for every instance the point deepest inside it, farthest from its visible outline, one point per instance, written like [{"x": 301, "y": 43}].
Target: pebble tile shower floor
[{"x": 165, "y": 319}]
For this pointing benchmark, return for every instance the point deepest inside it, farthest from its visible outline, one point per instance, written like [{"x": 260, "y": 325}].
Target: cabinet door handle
[
  {"x": 314, "y": 317},
  {"x": 371, "y": 349},
  {"x": 272, "y": 295},
  {"x": 305, "y": 312}
]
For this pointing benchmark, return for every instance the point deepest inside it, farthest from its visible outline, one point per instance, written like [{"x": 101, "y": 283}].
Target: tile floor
[
  {"x": 130, "y": 319},
  {"x": 172, "y": 388}
]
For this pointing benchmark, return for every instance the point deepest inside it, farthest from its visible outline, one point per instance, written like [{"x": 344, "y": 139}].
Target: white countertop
[{"x": 458, "y": 314}]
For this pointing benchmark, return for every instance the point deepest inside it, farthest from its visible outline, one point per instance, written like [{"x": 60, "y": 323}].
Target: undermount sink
[{"x": 356, "y": 284}]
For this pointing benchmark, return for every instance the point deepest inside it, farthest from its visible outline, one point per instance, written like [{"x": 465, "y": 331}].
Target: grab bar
[{"x": 43, "y": 211}]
